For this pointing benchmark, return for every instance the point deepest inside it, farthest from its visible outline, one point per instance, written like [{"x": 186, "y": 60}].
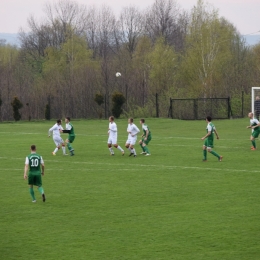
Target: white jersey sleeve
[
  {"x": 209, "y": 128},
  {"x": 254, "y": 121}
]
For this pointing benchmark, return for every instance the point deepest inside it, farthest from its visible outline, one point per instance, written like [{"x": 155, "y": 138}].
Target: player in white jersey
[
  {"x": 132, "y": 131},
  {"x": 55, "y": 130},
  {"x": 112, "y": 136}
]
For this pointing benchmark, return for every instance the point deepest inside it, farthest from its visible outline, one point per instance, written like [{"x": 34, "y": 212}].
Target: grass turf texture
[{"x": 170, "y": 205}]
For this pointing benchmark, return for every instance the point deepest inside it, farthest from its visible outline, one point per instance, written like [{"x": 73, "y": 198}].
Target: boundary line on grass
[{"x": 169, "y": 167}]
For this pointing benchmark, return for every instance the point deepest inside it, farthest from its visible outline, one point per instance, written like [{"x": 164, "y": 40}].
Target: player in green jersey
[
  {"x": 35, "y": 164},
  {"x": 146, "y": 138},
  {"x": 255, "y": 126},
  {"x": 209, "y": 140},
  {"x": 71, "y": 137}
]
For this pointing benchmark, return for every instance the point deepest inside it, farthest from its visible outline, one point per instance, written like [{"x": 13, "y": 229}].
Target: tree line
[{"x": 67, "y": 62}]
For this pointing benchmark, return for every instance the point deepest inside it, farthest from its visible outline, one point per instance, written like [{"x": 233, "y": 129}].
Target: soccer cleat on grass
[
  {"x": 220, "y": 158},
  {"x": 143, "y": 153},
  {"x": 53, "y": 153},
  {"x": 147, "y": 154},
  {"x": 112, "y": 154},
  {"x": 34, "y": 201},
  {"x": 253, "y": 148},
  {"x": 65, "y": 154},
  {"x": 130, "y": 154},
  {"x": 204, "y": 160},
  {"x": 123, "y": 153},
  {"x": 43, "y": 197}
]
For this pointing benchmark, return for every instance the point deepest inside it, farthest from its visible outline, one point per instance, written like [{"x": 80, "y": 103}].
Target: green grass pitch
[{"x": 170, "y": 205}]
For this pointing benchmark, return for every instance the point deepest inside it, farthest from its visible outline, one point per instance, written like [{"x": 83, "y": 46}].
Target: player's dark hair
[
  {"x": 112, "y": 118},
  {"x": 131, "y": 119},
  {"x": 142, "y": 120},
  {"x": 58, "y": 121},
  {"x": 209, "y": 118},
  {"x": 33, "y": 147},
  {"x": 68, "y": 118}
]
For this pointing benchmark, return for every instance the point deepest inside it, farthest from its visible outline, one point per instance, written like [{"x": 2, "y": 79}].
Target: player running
[
  {"x": 112, "y": 136},
  {"x": 146, "y": 138},
  {"x": 71, "y": 137},
  {"x": 35, "y": 164},
  {"x": 55, "y": 130},
  {"x": 132, "y": 131},
  {"x": 209, "y": 140},
  {"x": 254, "y": 125}
]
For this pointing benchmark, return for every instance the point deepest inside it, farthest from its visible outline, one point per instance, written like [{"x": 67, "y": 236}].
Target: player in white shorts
[
  {"x": 112, "y": 136},
  {"x": 132, "y": 131},
  {"x": 55, "y": 130}
]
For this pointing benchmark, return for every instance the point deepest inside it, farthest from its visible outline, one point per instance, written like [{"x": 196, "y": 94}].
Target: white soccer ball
[{"x": 118, "y": 74}]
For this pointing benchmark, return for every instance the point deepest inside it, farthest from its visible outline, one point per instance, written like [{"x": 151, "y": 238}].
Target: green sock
[
  {"x": 146, "y": 149},
  {"x": 142, "y": 147},
  {"x": 40, "y": 189},
  {"x": 253, "y": 143},
  {"x": 32, "y": 193},
  {"x": 204, "y": 154},
  {"x": 214, "y": 153},
  {"x": 69, "y": 146}
]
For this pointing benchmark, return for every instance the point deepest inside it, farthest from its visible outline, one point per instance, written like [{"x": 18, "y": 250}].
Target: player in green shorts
[
  {"x": 35, "y": 164},
  {"x": 209, "y": 140},
  {"x": 71, "y": 137},
  {"x": 146, "y": 138},
  {"x": 254, "y": 125}
]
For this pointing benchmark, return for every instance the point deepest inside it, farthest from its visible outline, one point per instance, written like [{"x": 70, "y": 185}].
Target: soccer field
[{"x": 169, "y": 205}]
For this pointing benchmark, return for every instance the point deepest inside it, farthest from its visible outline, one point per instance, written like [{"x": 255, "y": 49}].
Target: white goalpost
[{"x": 255, "y": 101}]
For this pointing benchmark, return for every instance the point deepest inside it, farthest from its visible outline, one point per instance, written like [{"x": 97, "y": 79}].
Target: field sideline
[{"x": 169, "y": 205}]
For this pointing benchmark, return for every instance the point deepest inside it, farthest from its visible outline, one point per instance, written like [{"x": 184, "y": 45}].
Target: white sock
[
  {"x": 133, "y": 151},
  {"x": 111, "y": 150},
  {"x": 64, "y": 149},
  {"x": 56, "y": 150},
  {"x": 119, "y": 148},
  {"x": 129, "y": 149}
]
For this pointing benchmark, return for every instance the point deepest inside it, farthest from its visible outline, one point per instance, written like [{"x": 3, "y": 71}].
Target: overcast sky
[{"x": 244, "y": 14}]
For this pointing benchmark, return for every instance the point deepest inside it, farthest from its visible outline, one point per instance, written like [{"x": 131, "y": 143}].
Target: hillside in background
[{"x": 12, "y": 38}]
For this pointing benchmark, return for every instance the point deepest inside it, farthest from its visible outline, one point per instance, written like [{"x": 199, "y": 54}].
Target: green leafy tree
[
  {"x": 99, "y": 99},
  {"x": 163, "y": 62},
  {"x": 118, "y": 100},
  {"x": 16, "y": 104},
  {"x": 207, "y": 51}
]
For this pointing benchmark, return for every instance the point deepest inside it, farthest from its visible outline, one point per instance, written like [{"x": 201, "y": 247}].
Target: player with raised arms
[
  {"x": 132, "y": 131},
  {"x": 112, "y": 136}
]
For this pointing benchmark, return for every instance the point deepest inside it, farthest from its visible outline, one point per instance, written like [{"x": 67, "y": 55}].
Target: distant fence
[{"x": 198, "y": 108}]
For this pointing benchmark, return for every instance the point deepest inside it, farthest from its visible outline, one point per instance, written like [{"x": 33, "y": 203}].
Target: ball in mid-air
[{"x": 118, "y": 74}]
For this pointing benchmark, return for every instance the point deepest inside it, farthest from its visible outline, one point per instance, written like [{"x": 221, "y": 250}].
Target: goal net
[{"x": 255, "y": 103}]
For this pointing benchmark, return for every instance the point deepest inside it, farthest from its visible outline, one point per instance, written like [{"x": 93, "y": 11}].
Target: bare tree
[
  {"x": 166, "y": 19},
  {"x": 131, "y": 27}
]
